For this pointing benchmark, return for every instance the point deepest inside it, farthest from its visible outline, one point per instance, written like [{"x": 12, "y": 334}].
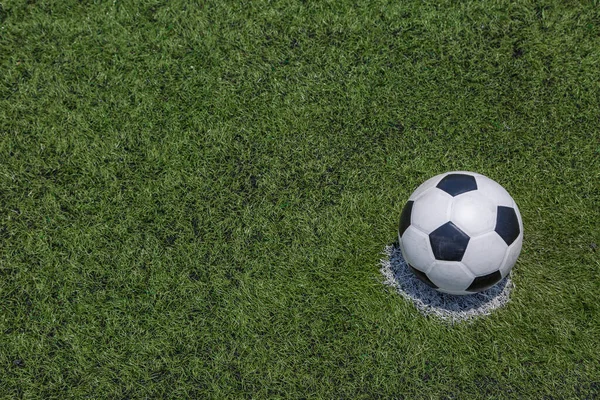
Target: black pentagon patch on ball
[
  {"x": 422, "y": 276},
  {"x": 405, "y": 217},
  {"x": 484, "y": 282},
  {"x": 507, "y": 224},
  {"x": 448, "y": 242},
  {"x": 455, "y": 184}
]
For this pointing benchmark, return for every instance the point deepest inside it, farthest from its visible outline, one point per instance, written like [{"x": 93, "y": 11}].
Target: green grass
[{"x": 194, "y": 198}]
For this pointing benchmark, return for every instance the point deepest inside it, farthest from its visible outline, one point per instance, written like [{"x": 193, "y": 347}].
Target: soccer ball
[{"x": 460, "y": 232}]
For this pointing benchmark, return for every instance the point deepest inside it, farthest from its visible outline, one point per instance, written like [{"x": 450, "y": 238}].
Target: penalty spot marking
[{"x": 446, "y": 307}]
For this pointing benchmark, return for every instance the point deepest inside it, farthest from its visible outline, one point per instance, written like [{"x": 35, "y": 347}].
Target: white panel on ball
[
  {"x": 474, "y": 213},
  {"x": 511, "y": 256},
  {"x": 475, "y": 174},
  {"x": 451, "y": 276},
  {"x": 431, "y": 210},
  {"x": 428, "y": 184},
  {"x": 494, "y": 191},
  {"x": 416, "y": 249},
  {"x": 514, "y": 205},
  {"x": 485, "y": 254},
  {"x": 455, "y": 292}
]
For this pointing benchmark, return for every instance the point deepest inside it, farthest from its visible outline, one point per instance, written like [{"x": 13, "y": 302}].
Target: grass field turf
[{"x": 194, "y": 197}]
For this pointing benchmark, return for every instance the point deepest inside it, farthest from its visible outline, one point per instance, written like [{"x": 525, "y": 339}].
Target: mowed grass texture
[{"x": 194, "y": 197}]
